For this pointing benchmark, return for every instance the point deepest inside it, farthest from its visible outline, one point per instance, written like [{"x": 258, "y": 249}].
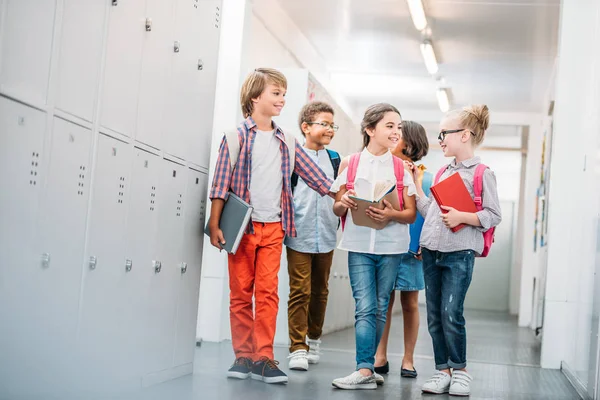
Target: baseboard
[
  {"x": 575, "y": 381},
  {"x": 167, "y": 375}
]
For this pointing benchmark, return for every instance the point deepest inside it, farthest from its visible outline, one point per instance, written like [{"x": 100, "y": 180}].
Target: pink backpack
[
  {"x": 398, "y": 172},
  {"x": 488, "y": 236}
]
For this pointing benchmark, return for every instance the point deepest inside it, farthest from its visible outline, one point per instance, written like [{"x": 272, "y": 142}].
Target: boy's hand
[
  {"x": 380, "y": 215},
  {"x": 452, "y": 218},
  {"x": 347, "y": 202},
  {"x": 216, "y": 237}
]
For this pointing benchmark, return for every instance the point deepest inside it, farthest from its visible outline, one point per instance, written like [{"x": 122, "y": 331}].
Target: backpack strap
[
  {"x": 439, "y": 174},
  {"x": 478, "y": 185},
  {"x": 335, "y": 159},
  {"x": 290, "y": 141},
  {"x": 399, "y": 173},
  {"x": 233, "y": 144},
  {"x": 352, "y": 167}
]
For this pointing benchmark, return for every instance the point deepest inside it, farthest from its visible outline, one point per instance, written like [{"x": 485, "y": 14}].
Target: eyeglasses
[
  {"x": 443, "y": 134},
  {"x": 325, "y": 125}
]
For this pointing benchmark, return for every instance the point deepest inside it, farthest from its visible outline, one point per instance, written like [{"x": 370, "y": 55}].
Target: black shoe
[
  {"x": 266, "y": 370},
  {"x": 241, "y": 369},
  {"x": 384, "y": 369},
  {"x": 407, "y": 373}
]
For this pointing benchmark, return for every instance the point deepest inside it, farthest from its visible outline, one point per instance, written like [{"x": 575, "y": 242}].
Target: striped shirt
[
  {"x": 436, "y": 236},
  {"x": 238, "y": 182}
]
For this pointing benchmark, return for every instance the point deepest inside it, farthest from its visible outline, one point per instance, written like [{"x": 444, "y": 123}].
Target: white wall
[{"x": 573, "y": 216}]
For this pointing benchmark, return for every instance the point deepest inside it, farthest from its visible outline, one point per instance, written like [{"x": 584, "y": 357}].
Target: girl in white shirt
[{"x": 373, "y": 255}]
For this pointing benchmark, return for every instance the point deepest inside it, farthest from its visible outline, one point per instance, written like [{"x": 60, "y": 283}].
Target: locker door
[
  {"x": 159, "y": 48},
  {"x": 21, "y": 156},
  {"x": 80, "y": 56},
  {"x": 104, "y": 269},
  {"x": 200, "y": 139},
  {"x": 142, "y": 228},
  {"x": 52, "y": 313},
  {"x": 126, "y": 30},
  {"x": 189, "y": 280},
  {"x": 26, "y": 49},
  {"x": 194, "y": 79},
  {"x": 162, "y": 291}
]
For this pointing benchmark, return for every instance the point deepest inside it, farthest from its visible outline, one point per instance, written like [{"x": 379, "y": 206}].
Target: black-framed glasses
[
  {"x": 325, "y": 125},
  {"x": 443, "y": 134}
]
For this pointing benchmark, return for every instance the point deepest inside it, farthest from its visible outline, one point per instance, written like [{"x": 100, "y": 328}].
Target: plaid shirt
[{"x": 239, "y": 181}]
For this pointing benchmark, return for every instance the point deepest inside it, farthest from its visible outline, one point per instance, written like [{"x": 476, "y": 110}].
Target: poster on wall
[{"x": 541, "y": 197}]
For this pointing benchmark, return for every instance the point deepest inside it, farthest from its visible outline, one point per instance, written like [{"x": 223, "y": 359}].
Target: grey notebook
[{"x": 234, "y": 220}]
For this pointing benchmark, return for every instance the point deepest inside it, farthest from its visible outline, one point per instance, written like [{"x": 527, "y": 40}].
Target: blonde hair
[
  {"x": 475, "y": 118},
  {"x": 255, "y": 85}
]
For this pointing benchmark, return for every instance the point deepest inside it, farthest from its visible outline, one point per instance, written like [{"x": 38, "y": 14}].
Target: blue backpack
[
  {"x": 417, "y": 226},
  {"x": 335, "y": 159}
]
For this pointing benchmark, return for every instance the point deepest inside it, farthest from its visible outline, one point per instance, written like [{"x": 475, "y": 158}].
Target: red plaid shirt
[{"x": 239, "y": 182}]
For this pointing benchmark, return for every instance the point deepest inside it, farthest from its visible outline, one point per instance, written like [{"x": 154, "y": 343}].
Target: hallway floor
[{"x": 503, "y": 362}]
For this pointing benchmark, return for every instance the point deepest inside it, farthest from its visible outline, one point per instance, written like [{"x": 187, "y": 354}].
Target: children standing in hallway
[
  {"x": 448, "y": 257},
  {"x": 310, "y": 253},
  {"x": 374, "y": 255},
  {"x": 261, "y": 177},
  {"x": 411, "y": 148}
]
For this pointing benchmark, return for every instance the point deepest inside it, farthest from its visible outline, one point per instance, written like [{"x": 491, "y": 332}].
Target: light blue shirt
[{"x": 316, "y": 224}]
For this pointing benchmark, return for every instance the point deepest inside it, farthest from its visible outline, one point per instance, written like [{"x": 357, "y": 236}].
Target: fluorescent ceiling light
[
  {"x": 442, "y": 97},
  {"x": 429, "y": 57},
  {"x": 418, "y": 14}
]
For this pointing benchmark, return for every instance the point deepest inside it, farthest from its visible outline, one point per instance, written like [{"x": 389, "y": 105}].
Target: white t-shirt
[
  {"x": 266, "y": 182},
  {"x": 395, "y": 237}
]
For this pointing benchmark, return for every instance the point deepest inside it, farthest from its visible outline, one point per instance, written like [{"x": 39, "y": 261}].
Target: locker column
[{"x": 213, "y": 311}]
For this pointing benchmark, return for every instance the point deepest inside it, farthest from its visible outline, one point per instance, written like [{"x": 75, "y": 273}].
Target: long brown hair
[{"x": 373, "y": 115}]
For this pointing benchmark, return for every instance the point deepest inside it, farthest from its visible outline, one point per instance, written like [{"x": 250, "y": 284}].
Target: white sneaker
[
  {"x": 299, "y": 360},
  {"x": 355, "y": 381},
  {"x": 314, "y": 352},
  {"x": 378, "y": 379},
  {"x": 461, "y": 384},
  {"x": 438, "y": 383}
]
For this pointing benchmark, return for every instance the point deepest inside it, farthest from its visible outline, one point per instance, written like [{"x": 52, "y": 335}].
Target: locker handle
[
  {"x": 46, "y": 260},
  {"x": 183, "y": 267},
  {"x": 115, "y": 3},
  {"x": 148, "y": 24},
  {"x": 157, "y": 266},
  {"x": 128, "y": 265},
  {"x": 176, "y": 47},
  {"x": 93, "y": 262}
]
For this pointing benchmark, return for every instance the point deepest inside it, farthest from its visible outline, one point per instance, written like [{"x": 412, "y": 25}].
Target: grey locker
[
  {"x": 26, "y": 49},
  {"x": 162, "y": 291},
  {"x": 104, "y": 271},
  {"x": 126, "y": 32},
  {"x": 21, "y": 177},
  {"x": 80, "y": 56},
  {"x": 142, "y": 230},
  {"x": 52, "y": 313},
  {"x": 194, "y": 80},
  {"x": 159, "y": 49},
  {"x": 189, "y": 279}
]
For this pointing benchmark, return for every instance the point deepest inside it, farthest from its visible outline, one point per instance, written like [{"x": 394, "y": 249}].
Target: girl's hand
[
  {"x": 452, "y": 218},
  {"x": 379, "y": 215},
  {"x": 347, "y": 202},
  {"x": 409, "y": 165}
]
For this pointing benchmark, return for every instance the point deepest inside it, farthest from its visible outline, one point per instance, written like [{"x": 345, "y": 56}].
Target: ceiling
[{"x": 498, "y": 52}]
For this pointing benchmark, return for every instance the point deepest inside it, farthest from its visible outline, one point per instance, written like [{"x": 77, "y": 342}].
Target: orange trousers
[{"x": 253, "y": 270}]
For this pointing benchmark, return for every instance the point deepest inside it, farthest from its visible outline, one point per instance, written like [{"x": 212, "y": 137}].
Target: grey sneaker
[
  {"x": 438, "y": 383},
  {"x": 461, "y": 384},
  {"x": 378, "y": 379},
  {"x": 355, "y": 381},
  {"x": 314, "y": 352}
]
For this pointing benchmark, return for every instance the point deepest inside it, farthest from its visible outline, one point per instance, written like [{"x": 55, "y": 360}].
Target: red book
[{"x": 452, "y": 192}]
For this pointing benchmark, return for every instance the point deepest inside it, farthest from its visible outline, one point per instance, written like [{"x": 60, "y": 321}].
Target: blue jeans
[
  {"x": 372, "y": 278},
  {"x": 447, "y": 279}
]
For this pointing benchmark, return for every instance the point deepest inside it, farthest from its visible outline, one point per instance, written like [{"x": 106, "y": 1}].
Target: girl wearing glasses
[
  {"x": 373, "y": 254},
  {"x": 448, "y": 257}
]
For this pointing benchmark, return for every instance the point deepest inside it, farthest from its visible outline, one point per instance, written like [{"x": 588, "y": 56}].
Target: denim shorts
[{"x": 410, "y": 274}]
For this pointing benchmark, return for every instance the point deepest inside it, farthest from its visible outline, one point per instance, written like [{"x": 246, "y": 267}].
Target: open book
[{"x": 372, "y": 195}]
